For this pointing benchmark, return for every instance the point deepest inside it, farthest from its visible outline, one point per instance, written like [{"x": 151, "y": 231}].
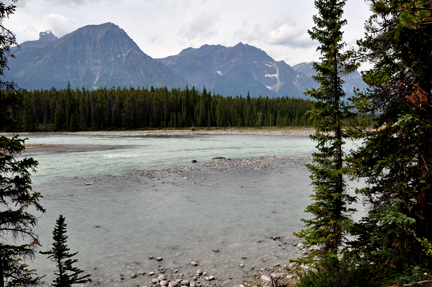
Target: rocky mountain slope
[
  {"x": 105, "y": 56},
  {"x": 91, "y": 57},
  {"x": 237, "y": 70}
]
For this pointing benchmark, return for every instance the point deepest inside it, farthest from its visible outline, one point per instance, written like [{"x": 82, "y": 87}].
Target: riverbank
[{"x": 233, "y": 217}]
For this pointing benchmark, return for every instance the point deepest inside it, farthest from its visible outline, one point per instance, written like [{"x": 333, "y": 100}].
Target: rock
[
  {"x": 199, "y": 272},
  {"x": 161, "y": 277},
  {"x": 259, "y": 241},
  {"x": 194, "y": 161},
  {"x": 218, "y": 158},
  {"x": 172, "y": 284},
  {"x": 185, "y": 177},
  {"x": 140, "y": 272},
  {"x": 155, "y": 281},
  {"x": 159, "y": 258},
  {"x": 210, "y": 278},
  {"x": 269, "y": 237},
  {"x": 215, "y": 250},
  {"x": 290, "y": 276},
  {"x": 276, "y": 275},
  {"x": 175, "y": 270},
  {"x": 163, "y": 283},
  {"x": 292, "y": 265},
  {"x": 185, "y": 282},
  {"x": 244, "y": 257},
  {"x": 151, "y": 273},
  {"x": 300, "y": 246},
  {"x": 241, "y": 265},
  {"x": 133, "y": 275},
  {"x": 204, "y": 273},
  {"x": 89, "y": 183},
  {"x": 194, "y": 263},
  {"x": 265, "y": 278},
  {"x": 192, "y": 284}
]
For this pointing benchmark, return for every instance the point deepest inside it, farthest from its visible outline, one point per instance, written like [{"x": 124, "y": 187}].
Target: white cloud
[
  {"x": 292, "y": 36},
  {"x": 202, "y": 27},
  {"x": 59, "y": 24}
]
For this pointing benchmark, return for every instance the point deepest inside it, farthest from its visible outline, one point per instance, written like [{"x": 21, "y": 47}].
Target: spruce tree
[
  {"x": 66, "y": 273},
  {"x": 396, "y": 157},
  {"x": 17, "y": 239},
  {"x": 330, "y": 209}
]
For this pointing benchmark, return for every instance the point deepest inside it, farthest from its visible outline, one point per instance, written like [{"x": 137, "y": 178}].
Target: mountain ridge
[{"x": 104, "y": 55}]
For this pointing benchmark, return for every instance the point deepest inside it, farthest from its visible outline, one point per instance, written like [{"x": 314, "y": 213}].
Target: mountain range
[{"x": 105, "y": 56}]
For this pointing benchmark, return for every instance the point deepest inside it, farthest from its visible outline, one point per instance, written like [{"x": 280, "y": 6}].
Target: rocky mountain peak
[{"x": 47, "y": 36}]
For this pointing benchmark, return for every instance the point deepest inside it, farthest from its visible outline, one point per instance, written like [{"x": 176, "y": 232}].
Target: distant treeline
[{"x": 116, "y": 108}]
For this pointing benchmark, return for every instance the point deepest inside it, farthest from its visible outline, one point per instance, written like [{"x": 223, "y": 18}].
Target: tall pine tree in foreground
[
  {"x": 17, "y": 239},
  {"x": 66, "y": 273},
  {"x": 330, "y": 208},
  {"x": 396, "y": 157}
]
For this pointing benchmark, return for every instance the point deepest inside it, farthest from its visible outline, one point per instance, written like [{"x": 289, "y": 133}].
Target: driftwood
[{"x": 414, "y": 284}]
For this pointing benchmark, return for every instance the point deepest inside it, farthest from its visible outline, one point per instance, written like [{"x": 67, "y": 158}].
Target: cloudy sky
[{"x": 165, "y": 27}]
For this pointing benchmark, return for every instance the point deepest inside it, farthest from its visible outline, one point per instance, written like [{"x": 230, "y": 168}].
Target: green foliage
[
  {"x": 331, "y": 202},
  {"x": 396, "y": 155},
  {"x": 106, "y": 109},
  {"x": 16, "y": 197},
  {"x": 67, "y": 274},
  {"x": 331, "y": 271}
]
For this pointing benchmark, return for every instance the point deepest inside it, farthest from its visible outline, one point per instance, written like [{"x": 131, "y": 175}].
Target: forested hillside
[{"x": 105, "y": 109}]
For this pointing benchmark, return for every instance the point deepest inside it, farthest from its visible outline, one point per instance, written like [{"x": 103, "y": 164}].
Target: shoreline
[{"x": 302, "y": 132}]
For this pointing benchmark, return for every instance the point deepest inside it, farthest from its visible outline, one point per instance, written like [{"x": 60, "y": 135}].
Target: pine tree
[
  {"x": 396, "y": 157},
  {"x": 16, "y": 195},
  {"x": 331, "y": 209},
  {"x": 67, "y": 274}
]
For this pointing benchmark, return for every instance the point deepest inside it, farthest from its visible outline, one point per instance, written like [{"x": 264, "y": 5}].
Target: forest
[{"x": 116, "y": 108}]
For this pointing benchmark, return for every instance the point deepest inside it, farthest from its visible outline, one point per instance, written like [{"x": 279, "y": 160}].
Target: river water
[{"x": 117, "y": 218}]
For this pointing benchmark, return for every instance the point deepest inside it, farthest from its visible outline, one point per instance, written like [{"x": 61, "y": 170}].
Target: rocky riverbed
[{"x": 222, "y": 222}]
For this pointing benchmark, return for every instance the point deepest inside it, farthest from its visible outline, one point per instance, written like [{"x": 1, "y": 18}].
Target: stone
[
  {"x": 199, "y": 272},
  {"x": 241, "y": 265},
  {"x": 172, "y": 284},
  {"x": 300, "y": 246},
  {"x": 159, "y": 258},
  {"x": 204, "y": 273},
  {"x": 265, "y": 278},
  {"x": 292, "y": 265},
  {"x": 194, "y": 263},
  {"x": 269, "y": 237},
  {"x": 133, "y": 275},
  {"x": 259, "y": 241},
  {"x": 163, "y": 283},
  {"x": 155, "y": 281},
  {"x": 151, "y": 273},
  {"x": 192, "y": 284},
  {"x": 185, "y": 282},
  {"x": 194, "y": 161},
  {"x": 210, "y": 278},
  {"x": 215, "y": 250},
  {"x": 140, "y": 272},
  {"x": 290, "y": 276},
  {"x": 244, "y": 257},
  {"x": 276, "y": 275},
  {"x": 161, "y": 277}
]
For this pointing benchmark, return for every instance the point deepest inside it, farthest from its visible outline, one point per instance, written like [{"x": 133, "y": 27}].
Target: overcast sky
[{"x": 165, "y": 27}]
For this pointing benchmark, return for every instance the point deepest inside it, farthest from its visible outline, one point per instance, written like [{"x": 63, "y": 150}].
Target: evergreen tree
[
  {"x": 331, "y": 207},
  {"x": 16, "y": 195},
  {"x": 396, "y": 156},
  {"x": 67, "y": 274}
]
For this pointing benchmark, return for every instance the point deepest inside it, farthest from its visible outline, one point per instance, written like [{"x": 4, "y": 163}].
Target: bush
[{"x": 331, "y": 271}]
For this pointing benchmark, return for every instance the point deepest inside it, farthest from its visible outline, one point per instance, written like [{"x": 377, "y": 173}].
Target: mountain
[
  {"x": 352, "y": 80},
  {"x": 236, "y": 70},
  {"x": 91, "y": 57}
]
